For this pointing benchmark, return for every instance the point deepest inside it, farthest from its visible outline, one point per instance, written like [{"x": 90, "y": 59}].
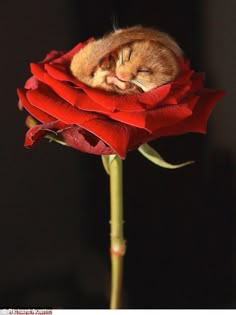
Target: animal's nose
[{"x": 124, "y": 76}]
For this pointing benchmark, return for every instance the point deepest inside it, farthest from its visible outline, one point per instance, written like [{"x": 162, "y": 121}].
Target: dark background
[{"x": 54, "y": 205}]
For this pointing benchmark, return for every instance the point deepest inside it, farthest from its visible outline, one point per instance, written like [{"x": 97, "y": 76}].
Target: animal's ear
[{"x": 108, "y": 61}]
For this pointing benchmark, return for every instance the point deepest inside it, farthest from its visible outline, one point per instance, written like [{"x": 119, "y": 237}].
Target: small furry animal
[{"x": 126, "y": 61}]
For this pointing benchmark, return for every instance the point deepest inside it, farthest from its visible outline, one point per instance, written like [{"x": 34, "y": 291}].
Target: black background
[{"x": 54, "y": 230}]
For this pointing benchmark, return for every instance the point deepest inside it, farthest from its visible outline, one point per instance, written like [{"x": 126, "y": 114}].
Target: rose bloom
[{"x": 98, "y": 122}]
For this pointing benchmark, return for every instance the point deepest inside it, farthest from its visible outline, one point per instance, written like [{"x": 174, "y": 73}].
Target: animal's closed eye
[{"x": 145, "y": 70}]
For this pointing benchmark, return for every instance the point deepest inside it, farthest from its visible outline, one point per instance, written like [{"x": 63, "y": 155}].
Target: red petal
[
  {"x": 37, "y": 70},
  {"x": 166, "y": 116},
  {"x": 191, "y": 100},
  {"x": 154, "y": 119},
  {"x": 129, "y": 103},
  {"x": 84, "y": 141},
  {"x": 35, "y": 112},
  {"x": 198, "y": 121},
  {"x": 177, "y": 93},
  {"x": 69, "y": 93},
  {"x": 74, "y": 136},
  {"x": 61, "y": 72},
  {"x": 33, "y": 135},
  {"x": 184, "y": 78},
  {"x": 32, "y": 83},
  {"x": 107, "y": 138},
  {"x": 37, "y": 132},
  {"x": 197, "y": 82},
  {"x": 58, "y": 72},
  {"x": 113, "y": 133},
  {"x": 52, "y": 55},
  {"x": 137, "y": 137},
  {"x": 50, "y": 103}
]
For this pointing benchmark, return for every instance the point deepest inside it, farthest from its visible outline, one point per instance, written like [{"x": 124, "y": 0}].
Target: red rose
[{"x": 97, "y": 122}]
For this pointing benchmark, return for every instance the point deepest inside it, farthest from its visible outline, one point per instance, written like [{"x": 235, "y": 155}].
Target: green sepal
[
  {"x": 31, "y": 122},
  {"x": 52, "y": 138},
  {"x": 106, "y": 161},
  {"x": 153, "y": 156}
]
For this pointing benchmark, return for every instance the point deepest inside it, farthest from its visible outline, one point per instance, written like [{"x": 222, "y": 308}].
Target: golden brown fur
[{"x": 128, "y": 61}]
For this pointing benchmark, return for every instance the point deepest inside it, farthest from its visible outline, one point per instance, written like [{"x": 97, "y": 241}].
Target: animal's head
[{"x": 146, "y": 64}]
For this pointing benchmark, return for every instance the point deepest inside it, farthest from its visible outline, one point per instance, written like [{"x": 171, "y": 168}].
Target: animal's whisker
[
  {"x": 122, "y": 57},
  {"x": 130, "y": 53},
  {"x": 140, "y": 84}
]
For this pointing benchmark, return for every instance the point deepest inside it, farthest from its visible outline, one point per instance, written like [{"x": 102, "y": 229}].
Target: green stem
[{"x": 117, "y": 238}]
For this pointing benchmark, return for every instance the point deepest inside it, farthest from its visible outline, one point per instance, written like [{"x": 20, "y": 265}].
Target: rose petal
[
  {"x": 198, "y": 121},
  {"x": 153, "y": 119},
  {"x": 52, "y": 55},
  {"x": 184, "y": 78},
  {"x": 52, "y": 104},
  {"x": 128, "y": 103},
  {"x": 197, "y": 82},
  {"x": 191, "y": 100},
  {"x": 71, "y": 94},
  {"x": 61, "y": 72},
  {"x": 154, "y": 97},
  {"x": 115, "y": 134},
  {"x": 36, "y": 133},
  {"x": 35, "y": 112},
  {"x": 84, "y": 141},
  {"x": 166, "y": 116},
  {"x": 32, "y": 83},
  {"x": 113, "y": 102},
  {"x": 74, "y": 136},
  {"x": 177, "y": 92},
  {"x": 109, "y": 131}
]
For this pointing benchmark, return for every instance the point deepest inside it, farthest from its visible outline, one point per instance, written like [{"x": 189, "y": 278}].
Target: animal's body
[{"x": 126, "y": 61}]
